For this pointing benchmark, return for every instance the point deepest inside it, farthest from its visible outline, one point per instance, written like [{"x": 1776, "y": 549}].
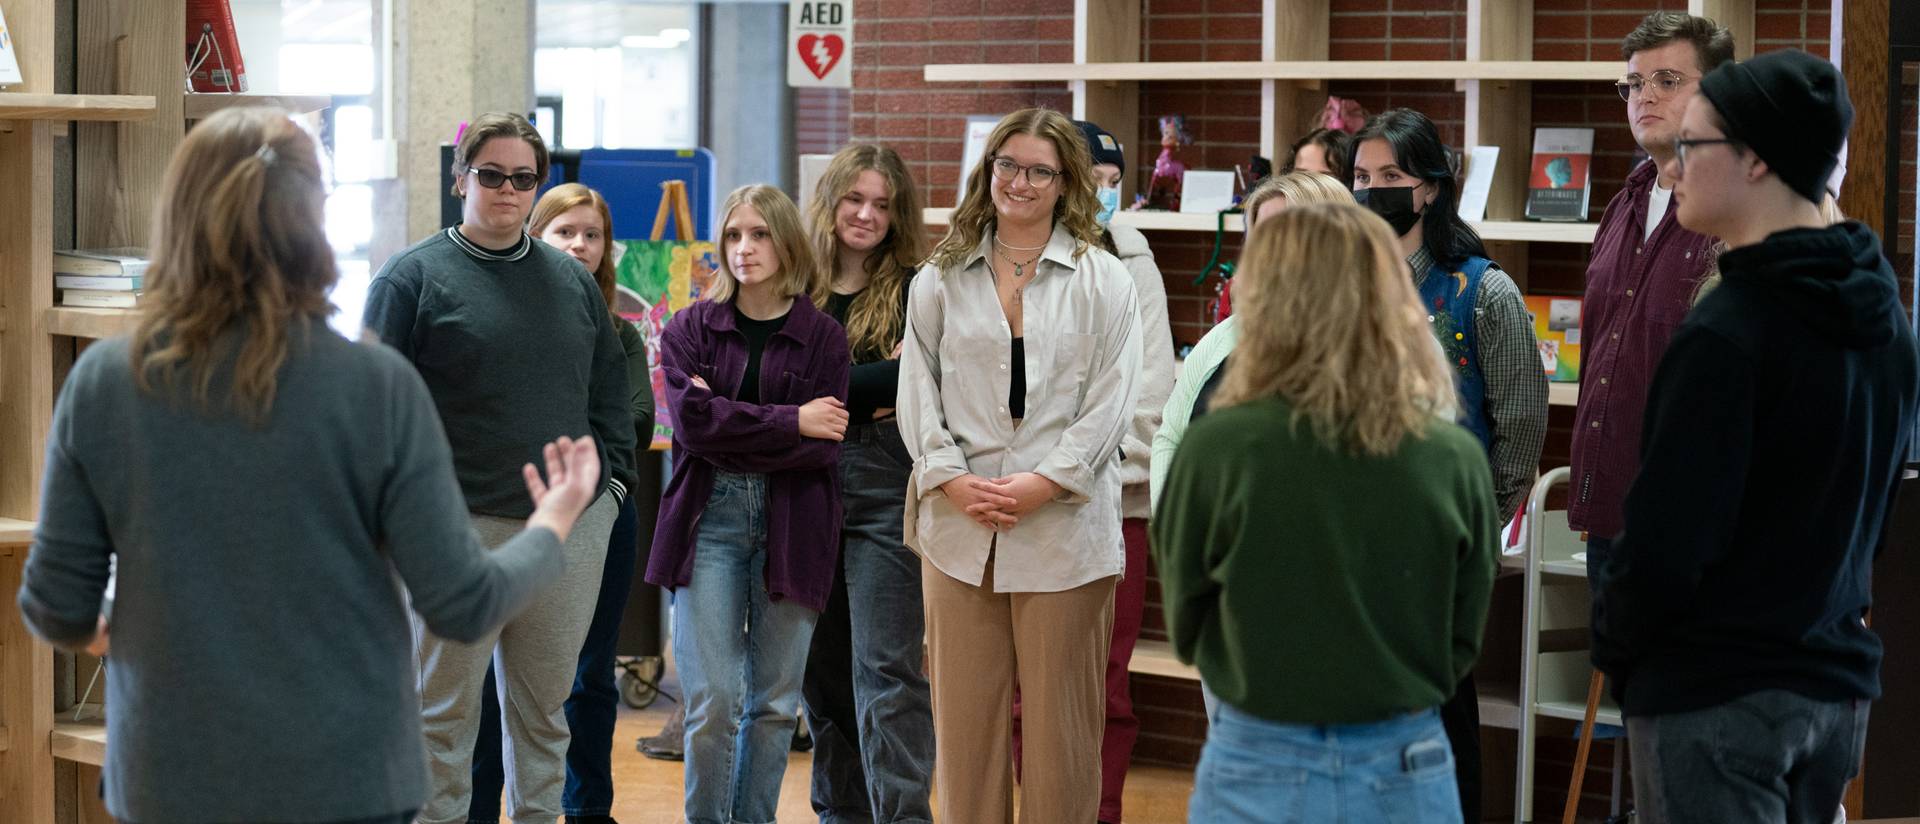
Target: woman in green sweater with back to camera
[{"x": 1326, "y": 542}]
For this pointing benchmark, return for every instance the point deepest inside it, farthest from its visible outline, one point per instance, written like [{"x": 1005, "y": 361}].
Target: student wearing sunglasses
[{"x": 516, "y": 346}]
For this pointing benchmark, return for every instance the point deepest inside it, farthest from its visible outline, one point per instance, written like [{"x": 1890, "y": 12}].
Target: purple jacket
[
  {"x": 1638, "y": 291},
  {"x": 806, "y": 359}
]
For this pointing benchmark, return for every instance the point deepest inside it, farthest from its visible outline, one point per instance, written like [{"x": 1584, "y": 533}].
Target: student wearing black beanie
[{"x": 1729, "y": 618}]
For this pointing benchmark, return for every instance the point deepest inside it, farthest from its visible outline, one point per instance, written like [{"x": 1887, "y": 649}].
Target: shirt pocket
[
  {"x": 794, "y": 388},
  {"x": 1073, "y": 367}
]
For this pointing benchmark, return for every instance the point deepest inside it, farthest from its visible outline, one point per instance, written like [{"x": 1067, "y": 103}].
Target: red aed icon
[{"x": 821, "y": 52}]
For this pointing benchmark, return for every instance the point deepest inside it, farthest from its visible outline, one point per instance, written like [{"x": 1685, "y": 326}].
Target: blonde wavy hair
[
  {"x": 800, "y": 274},
  {"x": 875, "y": 320},
  {"x": 562, "y": 199},
  {"x": 1299, "y": 188},
  {"x": 238, "y": 243},
  {"x": 1334, "y": 327},
  {"x": 1076, "y": 210}
]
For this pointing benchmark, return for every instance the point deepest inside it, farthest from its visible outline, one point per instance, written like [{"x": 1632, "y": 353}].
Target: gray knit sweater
[
  {"x": 517, "y": 348},
  {"x": 262, "y": 666}
]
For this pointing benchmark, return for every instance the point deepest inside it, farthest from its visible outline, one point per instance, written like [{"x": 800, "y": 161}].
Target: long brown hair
[
  {"x": 1077, "y": 209},
  {"x": 800, "y": 275},
  {"x": 562, "y": 199},
  {"x": 238, "y": 240},
  {"x": 1334, "y": 327},
  {"x": 875, "y": 321}
]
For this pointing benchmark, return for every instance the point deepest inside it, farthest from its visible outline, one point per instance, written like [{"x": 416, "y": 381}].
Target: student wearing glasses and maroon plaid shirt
[{"x": 1643, "y": 274}]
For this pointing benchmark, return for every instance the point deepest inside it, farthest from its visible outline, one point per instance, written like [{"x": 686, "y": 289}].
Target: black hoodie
[{"x": 1776, "y": 430}]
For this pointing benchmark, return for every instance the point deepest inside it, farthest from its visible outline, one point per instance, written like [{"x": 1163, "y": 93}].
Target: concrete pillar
[
  {"x": 451, "y": 60},
  {"x": 748, "y": 117}
]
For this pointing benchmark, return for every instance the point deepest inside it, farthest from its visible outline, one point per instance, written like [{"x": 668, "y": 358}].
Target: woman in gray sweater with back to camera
[{"x": 260, "y": 481}]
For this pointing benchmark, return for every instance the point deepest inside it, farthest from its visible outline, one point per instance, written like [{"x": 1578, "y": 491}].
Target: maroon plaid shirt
[{"x": 1638, "y": 291}]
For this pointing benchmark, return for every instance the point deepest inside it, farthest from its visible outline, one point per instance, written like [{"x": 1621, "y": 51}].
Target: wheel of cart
[{"x": 639, "y": 679}]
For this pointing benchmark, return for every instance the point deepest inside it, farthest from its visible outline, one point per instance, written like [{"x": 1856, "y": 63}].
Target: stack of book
[{"x": 100, "y": 278}]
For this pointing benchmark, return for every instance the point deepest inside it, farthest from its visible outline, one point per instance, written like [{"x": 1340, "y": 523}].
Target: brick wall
[
  {"x": 822, "y": 120},
  {"x": 892, "y": 105}
]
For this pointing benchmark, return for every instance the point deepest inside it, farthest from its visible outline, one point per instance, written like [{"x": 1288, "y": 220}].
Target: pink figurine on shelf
[{"x": 1163, "y": 190}]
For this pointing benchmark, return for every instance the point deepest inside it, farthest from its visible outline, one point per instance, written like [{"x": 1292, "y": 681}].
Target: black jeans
[
  {"x": 1770, "y": 757},
  {"x": 1461, "y": 718},
  {"x": 868, "y": 701}
]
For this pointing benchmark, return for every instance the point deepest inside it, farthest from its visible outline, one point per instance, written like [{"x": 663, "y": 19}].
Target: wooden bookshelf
[
  {"x": 201, "y": 106},
  {"x": 65, "y": 107},
  {"x": 77, "y": 322},
  {"x": 1311, "y": 72}
]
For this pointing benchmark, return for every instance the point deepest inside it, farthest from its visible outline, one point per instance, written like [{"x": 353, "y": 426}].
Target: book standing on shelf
[
  {"x": 1556, "y": 325},
  {"x": 1562, "y": 181}
]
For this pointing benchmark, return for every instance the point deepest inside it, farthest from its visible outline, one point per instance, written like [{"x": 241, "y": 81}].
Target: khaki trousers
[{"x": 1054, "y": 645}]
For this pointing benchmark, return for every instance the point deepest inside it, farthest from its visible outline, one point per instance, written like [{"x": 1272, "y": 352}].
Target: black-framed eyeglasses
[
  {"x": 493, "y": 178},
  {"x": 1039, "y": 177},
  {"x": 1663, "y": 82},
  {"x": 1681, "y": 147}
]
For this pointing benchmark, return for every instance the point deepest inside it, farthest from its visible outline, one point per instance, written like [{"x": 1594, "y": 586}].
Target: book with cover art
[
  {"x": 117, "y": 262},
  {"x": 1561, "y": 184},
  {"x": 213, "y": 50},
  {"x": 9, "y": 65},
  {"x": 1556, "y": 324}
]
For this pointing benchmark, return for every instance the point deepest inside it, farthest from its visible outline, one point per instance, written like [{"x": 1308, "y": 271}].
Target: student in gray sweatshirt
[
  {"x": 260, "y": 482},
  {"x": 514, "y": 342}
]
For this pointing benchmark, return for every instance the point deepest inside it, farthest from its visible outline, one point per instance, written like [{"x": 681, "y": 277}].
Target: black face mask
[{"x": 1394, "y": 205}]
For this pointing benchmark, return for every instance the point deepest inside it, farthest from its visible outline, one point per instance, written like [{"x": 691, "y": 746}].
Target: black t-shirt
[
  {"x": 874, "y": 382},
  {"x": 1017, "y": 390},
  {"x": 758, "y": 332}
]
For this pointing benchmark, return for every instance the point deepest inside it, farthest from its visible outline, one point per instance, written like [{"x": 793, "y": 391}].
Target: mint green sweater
[{"x": 1315, "y": 586}]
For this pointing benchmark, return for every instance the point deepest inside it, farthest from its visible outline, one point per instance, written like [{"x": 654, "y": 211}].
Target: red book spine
[{"x": 213, "y": 50}]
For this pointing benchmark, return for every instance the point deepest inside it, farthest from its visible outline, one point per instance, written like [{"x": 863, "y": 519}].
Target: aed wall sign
[{"x": 820, "y": 44}]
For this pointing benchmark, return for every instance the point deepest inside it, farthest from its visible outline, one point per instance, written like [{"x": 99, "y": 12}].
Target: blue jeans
[
  {"x": 591, "y": 708},
  {"x": 740, "y": 657},
  {"x": 1255, "y": 771},
  {"x": 1769, "y": 757},
  {"x": 868, "y": 703}
]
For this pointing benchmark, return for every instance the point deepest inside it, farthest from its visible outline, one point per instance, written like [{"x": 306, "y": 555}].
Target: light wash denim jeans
[
  {"x": 1255, "y": 771},
  {"x": 740, "y": 657}
]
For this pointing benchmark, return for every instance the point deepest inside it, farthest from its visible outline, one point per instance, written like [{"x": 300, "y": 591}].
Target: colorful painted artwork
[{"x": 655, "y": 279}]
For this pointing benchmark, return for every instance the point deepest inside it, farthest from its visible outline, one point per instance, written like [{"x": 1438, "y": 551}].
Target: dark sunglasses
[{"x": 492, "y": 178}]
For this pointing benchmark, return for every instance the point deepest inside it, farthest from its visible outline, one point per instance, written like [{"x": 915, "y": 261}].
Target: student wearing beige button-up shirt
[{"x": 1014, "y": 499}]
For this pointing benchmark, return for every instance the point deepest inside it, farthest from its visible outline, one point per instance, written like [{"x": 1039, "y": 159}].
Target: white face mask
[{"x": 1109, "y": 203}]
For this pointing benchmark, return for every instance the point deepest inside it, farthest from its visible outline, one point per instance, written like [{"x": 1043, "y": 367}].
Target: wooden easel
[{"x": 673, "y": 200}]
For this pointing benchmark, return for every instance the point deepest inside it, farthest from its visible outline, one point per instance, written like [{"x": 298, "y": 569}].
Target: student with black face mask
[{"x": 1402, "y": 172}]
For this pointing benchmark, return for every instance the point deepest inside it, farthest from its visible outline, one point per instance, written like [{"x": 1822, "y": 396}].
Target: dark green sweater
[{"x": 1313, "y": 586}]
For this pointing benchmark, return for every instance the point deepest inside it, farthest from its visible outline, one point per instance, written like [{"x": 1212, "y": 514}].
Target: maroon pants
[{"x": 1116, "y": 745}]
